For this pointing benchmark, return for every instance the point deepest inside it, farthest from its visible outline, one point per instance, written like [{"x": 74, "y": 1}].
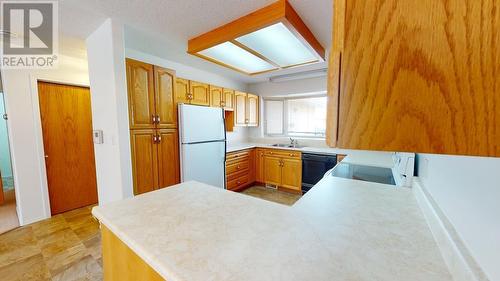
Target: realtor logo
[{"x": 31, "y": 34}]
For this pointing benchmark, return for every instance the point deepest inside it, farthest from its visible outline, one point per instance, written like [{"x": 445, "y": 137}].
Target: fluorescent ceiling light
[
  {"x": 300, "y": 75},
  {"x": 278, "y": 44},
  {"x": 231, "y": 55}
]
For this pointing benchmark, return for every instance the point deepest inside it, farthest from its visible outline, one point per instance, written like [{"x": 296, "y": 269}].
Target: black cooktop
[{"x": 364, "y": 173}]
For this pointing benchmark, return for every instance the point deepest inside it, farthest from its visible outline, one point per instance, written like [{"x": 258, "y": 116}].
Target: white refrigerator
[{"x": 202, "y": 138}]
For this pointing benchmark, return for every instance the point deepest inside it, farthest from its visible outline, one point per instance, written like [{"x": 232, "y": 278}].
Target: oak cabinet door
[
  {"x": 141, "y": 97},
  {"x": 240, "y": 107},
  {"x": 272, "y": 173},
  {"x": 430, "y": 82},
  {"x": 200, "y": 94},
  {"x": 144, "y": 160},
  {"x": 259, "y": 165},
  {"x": 168, "y": 158},
  {"x": 182, "y": 90},
  {"x": 252, "y": 118},
  {"x": 216, "y": 96},
  {"x": 228, "y": 101},
  {"x": 292, "y": 174},
  {"x": 166, "y": 107}
]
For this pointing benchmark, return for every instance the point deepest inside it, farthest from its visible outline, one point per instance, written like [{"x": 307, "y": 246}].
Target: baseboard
[{"x": 457, "y": 257}]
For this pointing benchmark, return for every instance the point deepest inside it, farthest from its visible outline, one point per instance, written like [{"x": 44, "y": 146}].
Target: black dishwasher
[{"x": 314, "y": 167}]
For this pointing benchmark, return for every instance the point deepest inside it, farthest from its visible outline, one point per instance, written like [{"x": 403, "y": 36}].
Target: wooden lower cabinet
[
  {"x": 282, "y": 168},
  {"x": 291, "y": 174},
  {"x": 144, "y": 160},
  {"x": 120, "y": 263},
  {"x": 155, "y": 159}
]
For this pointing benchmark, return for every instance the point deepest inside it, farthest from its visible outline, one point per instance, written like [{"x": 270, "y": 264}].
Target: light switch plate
[{"x": 98, "y": 137}]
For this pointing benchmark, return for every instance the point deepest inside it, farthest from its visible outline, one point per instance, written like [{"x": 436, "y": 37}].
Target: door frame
[{"x": 35, "y": 102}]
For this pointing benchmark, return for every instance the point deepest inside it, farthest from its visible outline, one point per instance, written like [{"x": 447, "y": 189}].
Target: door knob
[{"x": 46, "y": 156}]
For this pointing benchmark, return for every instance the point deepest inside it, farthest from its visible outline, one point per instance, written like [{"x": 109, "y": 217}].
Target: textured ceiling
[{"x": 168, "y": 24}]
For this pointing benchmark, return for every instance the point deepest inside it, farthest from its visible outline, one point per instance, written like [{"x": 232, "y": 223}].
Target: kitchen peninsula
[{"x": 340, "y": 230}]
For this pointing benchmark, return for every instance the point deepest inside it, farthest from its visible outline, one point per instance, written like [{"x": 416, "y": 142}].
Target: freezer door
[
  {"x": 200, "y": 123},
  {"x": 204, "y": 162}
]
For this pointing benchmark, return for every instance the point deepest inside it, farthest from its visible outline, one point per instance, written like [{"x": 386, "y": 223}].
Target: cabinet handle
[
  {"x": 157, "y": 119},
  {"x": 155, "y": 139},
  {"x": 158, "y": 138},
  {"x": 153, "y": 118},
  {"x": 238, "y": 167},
  {"x": 238, "y": 182}
]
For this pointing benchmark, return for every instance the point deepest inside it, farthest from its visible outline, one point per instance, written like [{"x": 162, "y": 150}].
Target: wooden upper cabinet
[
  {"x": 141, "y": 98},
  {"x": 291, "y": 176},
  {"x": 200, "y": 94},
  {"x": 240, "y": 108},
  {"x": 216, "y": 96},
  {"x": 228, "y": 99},
  {"x": 416, "y": 76},
  {"x": 166, "y": 106},
  {"x": 252, "y": 118},
  {"x": 168, "y": 158},
  {"x": 182, "y": 90},
  {"x": 144, "y": 160}
]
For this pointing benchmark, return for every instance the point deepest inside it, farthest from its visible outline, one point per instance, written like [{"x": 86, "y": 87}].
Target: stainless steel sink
[{"x": 286, "y": 145}]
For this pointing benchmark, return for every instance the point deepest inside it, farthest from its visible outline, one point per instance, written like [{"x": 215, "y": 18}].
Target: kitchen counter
[
  {"x": 340, "y": 230},
  {"x": 360, "y": 157}
]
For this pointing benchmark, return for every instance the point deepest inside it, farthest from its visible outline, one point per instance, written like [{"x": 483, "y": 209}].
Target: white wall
[
  {"x": 5, "y": 165},
  {"x": 25, "y": 132},
  {"x": 106, "y": 59},
  {"x": 467, "y": 190}
]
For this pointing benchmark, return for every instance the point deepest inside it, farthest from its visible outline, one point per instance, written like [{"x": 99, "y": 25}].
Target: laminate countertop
[
  {"x": 340, "y": 230},
  {"x": 360, "y": 157}
]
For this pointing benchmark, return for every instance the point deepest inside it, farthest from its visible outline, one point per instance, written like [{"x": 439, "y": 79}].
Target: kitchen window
[{"x": 295, "y": 117}]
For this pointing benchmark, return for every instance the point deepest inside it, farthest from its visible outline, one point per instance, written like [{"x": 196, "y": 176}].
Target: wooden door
[
  {"x": 144, "y": 148},
  {"x": 68, "y": 145},
  {"x": 216, "y": 96},
  {"x": 272, "y": 173},
  {"x": 259, "y": 165},
  {"x": 240, "y": 101},
  {"x": 291, "y": 174},
  {"x": 168, "y": 158},
  {"x": 252, "y": 110},
  {"x": 141, "y": 97},
  {"x": 166, "y": 106},
  {"x": 182, "y": 90},
  {"x": 228, "y": 100},
  {"x": 200, "y": 93},
  {"x": 419, "y": 76}
]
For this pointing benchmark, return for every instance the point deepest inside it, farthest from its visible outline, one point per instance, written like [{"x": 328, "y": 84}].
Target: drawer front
[
  {"x": 238, "y": 182},
  {"x": 234, "y": 156},
  {"x": 237, "y": 166},
  {"x": 283, "y": 153}
]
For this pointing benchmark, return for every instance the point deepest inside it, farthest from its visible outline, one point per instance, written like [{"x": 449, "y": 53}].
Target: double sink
[{"x": 286, "y": 145}]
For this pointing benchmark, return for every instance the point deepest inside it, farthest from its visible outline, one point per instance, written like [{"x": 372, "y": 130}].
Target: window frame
[{"x": 284, "y": 125}]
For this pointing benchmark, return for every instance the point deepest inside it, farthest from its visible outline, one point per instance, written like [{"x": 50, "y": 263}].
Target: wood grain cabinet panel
[
  {"x": 228, "y": 102},
  {"x": 141, "y": 97},
  {"x": 168, "y": 158},
  {"x": 216, "y": 96},
  {"x": 252, "y": 117},
  {"x": 200, "y": 94},
  {"x": 259, "y": 165},
  {"x": 272, "y": 173},
  {"x": 182, "y": 90},
  {"x": 291, "y": 177},
  {"x": 240, "y": 108},
  {"x": 166, "y": 107},
  {"x": 419, "y": 76},
  {"x": 144, "y": 160}
]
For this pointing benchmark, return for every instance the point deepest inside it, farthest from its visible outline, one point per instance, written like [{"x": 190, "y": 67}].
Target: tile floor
[
  {"x": 67, "y": 247},
  {"x": 273, "y": 195},
  {"x": 64, "y": 247}
]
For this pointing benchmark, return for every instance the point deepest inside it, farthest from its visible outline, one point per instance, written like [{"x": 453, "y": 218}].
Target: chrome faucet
[{"x": 293, "y": 142}]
